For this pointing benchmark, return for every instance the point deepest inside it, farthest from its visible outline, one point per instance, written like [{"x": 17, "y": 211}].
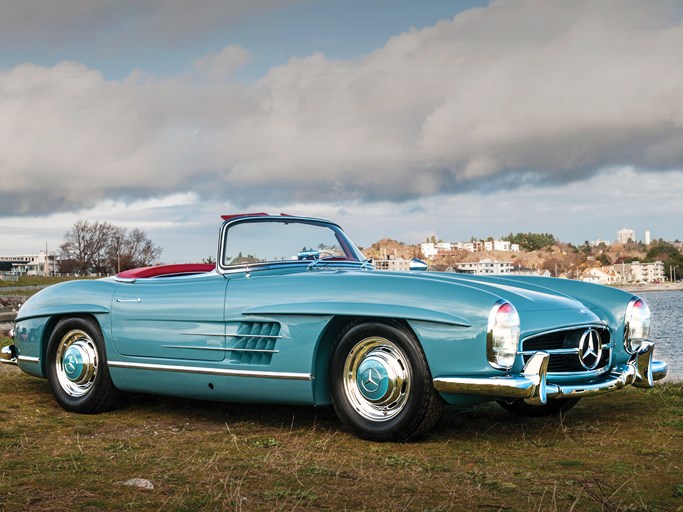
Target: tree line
[
  {"x": 531, "y": 241},
  {"x": 103, "y": 248},
  {"x": 663, "y": 251}
]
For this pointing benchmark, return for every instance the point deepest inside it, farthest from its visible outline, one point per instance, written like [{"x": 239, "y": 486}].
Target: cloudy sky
[{"x": 393, "y": 117}]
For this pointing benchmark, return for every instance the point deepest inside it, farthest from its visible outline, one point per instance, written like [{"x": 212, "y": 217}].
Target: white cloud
[{"x": 530, "y": 91}]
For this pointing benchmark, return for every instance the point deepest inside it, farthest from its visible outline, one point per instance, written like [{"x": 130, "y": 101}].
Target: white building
[
  {"x": 638, "y": 272},
  {"x": 485, "y": 267},
  {"x": 624, "y": 273},
  {"x": 430, "y": 249},
  {"x": 501, "y": 245},
  {"x": 30, "y": 265},
  {"x": 626, "y": 235},
  {"x": 604, "y": 275}
]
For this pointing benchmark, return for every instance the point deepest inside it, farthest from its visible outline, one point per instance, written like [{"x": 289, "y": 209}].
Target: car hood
[{"x": 526, "y": 297}]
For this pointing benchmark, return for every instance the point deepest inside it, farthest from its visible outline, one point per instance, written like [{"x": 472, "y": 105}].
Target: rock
[
  {"x": 5, "y": 328},
  {"x": 140, "y": 483}
]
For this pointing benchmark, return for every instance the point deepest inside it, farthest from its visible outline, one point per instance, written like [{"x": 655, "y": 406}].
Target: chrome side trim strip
[
  {"x": 211, "y": 371},
  {"x": 269, "y": 336},
  {"x": 27, "y": 359},
  {"x": 261, "y": 351}
]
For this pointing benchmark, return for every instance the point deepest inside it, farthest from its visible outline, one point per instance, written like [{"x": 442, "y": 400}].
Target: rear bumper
[
  {"x": 532, "y": 385},
  {"x": 8, "y": 355}
]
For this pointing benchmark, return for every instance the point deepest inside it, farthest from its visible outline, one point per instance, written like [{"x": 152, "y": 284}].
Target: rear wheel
[
  {"x": 557, "y": 406},
  {"x": 77, "y": 367},
  {"x": 381, "y": 385}
]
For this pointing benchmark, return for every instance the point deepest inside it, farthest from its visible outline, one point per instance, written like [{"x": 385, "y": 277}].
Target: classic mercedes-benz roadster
[{"x": 293, "y": 313}]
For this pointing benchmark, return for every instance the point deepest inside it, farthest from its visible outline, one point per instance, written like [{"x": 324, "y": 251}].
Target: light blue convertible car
[{"x": 293, "y": 313}]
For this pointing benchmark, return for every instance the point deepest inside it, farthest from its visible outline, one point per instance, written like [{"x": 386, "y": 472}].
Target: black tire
[
  {"x": 553, "y": 407},
  {"x": 397, "y": 401},
  {"x": 76, "y": 367}
]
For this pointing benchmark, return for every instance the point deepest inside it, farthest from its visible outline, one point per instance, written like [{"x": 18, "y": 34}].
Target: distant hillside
[{"x": 559, "y": 259}]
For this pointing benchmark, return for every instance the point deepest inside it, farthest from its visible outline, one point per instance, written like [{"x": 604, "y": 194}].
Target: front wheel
[
  {"x": 553, "y": 407},
  {"x": 381, "y": 385},
  {"x": 77, "y": 367}
]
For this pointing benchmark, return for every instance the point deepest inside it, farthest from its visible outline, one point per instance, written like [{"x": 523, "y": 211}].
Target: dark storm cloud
[{"x": 38, "y": 21}]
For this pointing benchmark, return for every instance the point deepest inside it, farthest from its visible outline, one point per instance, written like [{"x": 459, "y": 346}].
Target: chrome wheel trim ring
[
  {"x": 391, "y": 380},
  {"x": 76, "y": 363}
]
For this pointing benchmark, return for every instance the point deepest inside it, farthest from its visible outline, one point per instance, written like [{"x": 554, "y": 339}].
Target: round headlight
[
  {"x": 637, "y": 324},
  {"x": 502, "y": 337}
]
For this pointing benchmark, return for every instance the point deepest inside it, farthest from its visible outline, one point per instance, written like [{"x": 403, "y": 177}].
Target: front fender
[
  {"x": 42, "y": 311},
  {"x": 93, "y": 297}
]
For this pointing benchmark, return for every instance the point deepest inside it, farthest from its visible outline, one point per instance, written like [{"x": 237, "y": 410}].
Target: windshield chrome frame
[{"x": 221, "y": 268}]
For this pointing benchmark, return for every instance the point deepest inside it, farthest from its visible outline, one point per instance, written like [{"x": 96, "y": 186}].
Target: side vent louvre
[{"x": 254, "y": 343}]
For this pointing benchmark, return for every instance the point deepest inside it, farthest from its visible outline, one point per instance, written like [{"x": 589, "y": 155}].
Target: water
[{"x": 667, "y": 329}]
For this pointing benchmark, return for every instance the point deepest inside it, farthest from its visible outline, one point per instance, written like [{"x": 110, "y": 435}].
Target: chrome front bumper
[
  {"x": 532, "y": 385},
  {"x": 8, "y": 355}
]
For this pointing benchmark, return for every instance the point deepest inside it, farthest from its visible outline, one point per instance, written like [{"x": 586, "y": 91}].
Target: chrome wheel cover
[
  {"x": 76, "y": 363},
  {"x": 377, "y": 379}
]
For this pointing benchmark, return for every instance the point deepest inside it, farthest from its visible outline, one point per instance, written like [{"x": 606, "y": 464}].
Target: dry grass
[{"x": 611, "y": 453}]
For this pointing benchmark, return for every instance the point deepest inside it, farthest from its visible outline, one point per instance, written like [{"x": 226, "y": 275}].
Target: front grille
[
  {"x": 563, "y": 348},
  {"x": 253, "y": 343}
]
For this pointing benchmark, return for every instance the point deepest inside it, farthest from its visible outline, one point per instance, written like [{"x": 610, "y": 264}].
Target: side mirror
[{"x": 418, "y": 265}]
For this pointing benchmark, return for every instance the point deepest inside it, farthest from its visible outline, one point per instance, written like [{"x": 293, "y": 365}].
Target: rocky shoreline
[
  {"x": 661, "y": 287},
  {"x": 9, "y": 305}
]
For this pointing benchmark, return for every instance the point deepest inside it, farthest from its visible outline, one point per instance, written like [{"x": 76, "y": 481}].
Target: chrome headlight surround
[
  {"x": 636, "y": 324},
  {"x": 502, "y": 335}
]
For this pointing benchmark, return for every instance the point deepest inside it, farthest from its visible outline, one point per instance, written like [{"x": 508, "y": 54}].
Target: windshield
[{"x": 266, "y": 241}]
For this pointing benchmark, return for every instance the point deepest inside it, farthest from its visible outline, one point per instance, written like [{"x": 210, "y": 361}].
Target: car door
[{"x": 178, "y": 317}]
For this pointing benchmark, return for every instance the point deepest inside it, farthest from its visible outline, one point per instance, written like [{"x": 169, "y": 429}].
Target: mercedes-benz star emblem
[
  {"x": 371, "y": 379},
  {"x": 590, "y": 349},
  {"x": 70, "y": 363}
]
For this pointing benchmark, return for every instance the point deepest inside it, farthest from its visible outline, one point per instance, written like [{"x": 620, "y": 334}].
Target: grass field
[
  {"x": 610, "y": 453},
  {"x": 35, "y": 281}
]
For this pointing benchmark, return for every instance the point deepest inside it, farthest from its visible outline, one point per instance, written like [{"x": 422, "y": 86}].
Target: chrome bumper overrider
[
  {"x": 8, "y": 355},
  {"x": 532, "y": 385}
]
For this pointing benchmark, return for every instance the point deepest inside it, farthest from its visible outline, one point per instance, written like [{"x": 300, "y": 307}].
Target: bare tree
[
  {"x": 101, "y": 247},
  {"x": 115, "y": 250},
  {"x": 131, "y": 250},
  {"x": 85, "y": 245}
]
